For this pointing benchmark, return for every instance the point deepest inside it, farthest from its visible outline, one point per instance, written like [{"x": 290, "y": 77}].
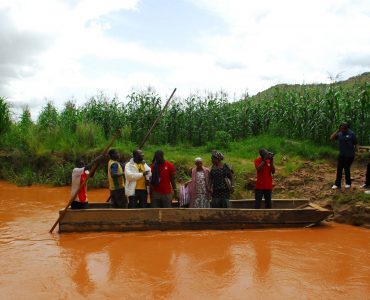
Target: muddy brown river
[{"x": 326, "y": 262}]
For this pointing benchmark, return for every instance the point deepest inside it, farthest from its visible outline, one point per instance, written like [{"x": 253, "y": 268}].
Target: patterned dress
[
  {"x": 217, "y": 177},
  {"x": 201, "y": 200}
]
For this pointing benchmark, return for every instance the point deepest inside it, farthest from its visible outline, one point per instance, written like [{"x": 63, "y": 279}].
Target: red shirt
[
  {"x": 264, "y": 178},
  {"x": 79, "y": 175},
  {"x": 82, "y": 194},
  {"x": 166, "y": 170}
]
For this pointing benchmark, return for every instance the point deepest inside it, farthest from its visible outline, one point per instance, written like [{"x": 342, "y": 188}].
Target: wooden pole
[
  {"x": 156, "y": 121},
  {"x": 93, "y": 169}
]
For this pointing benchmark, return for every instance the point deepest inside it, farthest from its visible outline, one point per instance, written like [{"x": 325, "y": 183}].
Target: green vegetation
[{"x": 291, "y": 121}]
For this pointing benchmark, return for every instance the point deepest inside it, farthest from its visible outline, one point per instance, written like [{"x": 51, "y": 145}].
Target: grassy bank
[{"x": 54, "y": 167}]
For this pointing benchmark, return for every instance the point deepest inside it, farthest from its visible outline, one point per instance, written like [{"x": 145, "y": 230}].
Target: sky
[{"x": 54, "y": 50}]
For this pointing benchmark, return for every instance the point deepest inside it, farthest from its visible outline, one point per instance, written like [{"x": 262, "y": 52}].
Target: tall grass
[
  {"x": 306, "y": 113},
  {"x": 299, "y": 113},
  {"x": 5, "y": 120}
]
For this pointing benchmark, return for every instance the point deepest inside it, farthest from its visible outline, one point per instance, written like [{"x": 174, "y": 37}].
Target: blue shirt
[{"x": 347, "y": 141}]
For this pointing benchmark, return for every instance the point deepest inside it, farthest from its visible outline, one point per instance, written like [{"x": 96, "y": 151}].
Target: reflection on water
[{"x": 319, "y": 263}]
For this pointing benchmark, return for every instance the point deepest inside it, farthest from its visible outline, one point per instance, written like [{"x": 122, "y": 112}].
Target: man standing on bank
[
  {"x": 163, "y": 177},
  {"x": 347, "y": 147},
  {"x": 265, "y": 168},
  {"x": 115, "y": 178},
  {"x": 137, "y": 174}
]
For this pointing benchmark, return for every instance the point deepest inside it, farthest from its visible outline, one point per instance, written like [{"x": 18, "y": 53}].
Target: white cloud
[
  {"x": 264, "y": 43},
  {"x": 295, "y": 40}
]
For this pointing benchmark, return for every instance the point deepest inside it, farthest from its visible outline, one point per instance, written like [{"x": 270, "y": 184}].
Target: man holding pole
[
  {"x": 115, "y": 179},
  {"x": 137, "y": 174},
  {"x": 79, "y": 175}
]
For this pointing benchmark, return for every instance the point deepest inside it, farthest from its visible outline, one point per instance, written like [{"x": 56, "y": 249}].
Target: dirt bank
[{"x": 314, "y": 180}]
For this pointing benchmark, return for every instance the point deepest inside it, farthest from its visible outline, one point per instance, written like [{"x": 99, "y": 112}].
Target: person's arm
[
  {"x": 232, "y": 179},
  {"x": 114, "y": 170},
  {"x": 357, "y": 148},
  {"x": 147, "y": 168},
  {"x": 173, "y": 182},
  {"x": 272, "y": 166},
  {"x": 334, "y": 135},
  {"x": 230, "y": 175},
  {"x": 210, "y": 181},
  {"x": 261, "y": 165},
  {"x": 132, "y": 174},
  {"x": 172, "y": 178}
]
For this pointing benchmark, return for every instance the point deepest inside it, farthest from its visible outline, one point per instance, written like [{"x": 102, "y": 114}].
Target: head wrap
[
  {"x": 217, "y": 154},
  {"x": 198, "y": 159}
]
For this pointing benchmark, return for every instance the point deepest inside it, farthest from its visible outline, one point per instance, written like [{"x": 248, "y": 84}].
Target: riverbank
[{"x": 304, "y": 170}]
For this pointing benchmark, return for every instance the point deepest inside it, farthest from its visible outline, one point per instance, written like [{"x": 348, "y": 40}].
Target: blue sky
[
  {"x": 165, "y": 24},
  {"x": 58, "y": 50}
]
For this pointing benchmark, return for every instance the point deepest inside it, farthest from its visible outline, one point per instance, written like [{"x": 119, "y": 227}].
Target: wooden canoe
[{"x": 241, "y": 215}]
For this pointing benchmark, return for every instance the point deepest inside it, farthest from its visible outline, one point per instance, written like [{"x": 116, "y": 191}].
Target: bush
[{"x": 89, "y": 135}]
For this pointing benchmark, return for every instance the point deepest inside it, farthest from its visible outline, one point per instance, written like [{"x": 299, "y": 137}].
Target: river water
[{"x": 326, "y": 262}]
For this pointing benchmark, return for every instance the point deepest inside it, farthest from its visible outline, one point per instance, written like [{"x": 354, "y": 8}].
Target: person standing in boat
[
  {"x": 163, "y": 177},
  {"x": 115, "y": 179},
  {"x": 265, "y": 168},
  {"x": 221, "y": 181},
  {"x": 79, "y": 175},
  {"x": 137, "y": 174},
  {"x": 347, "y": 147},
  {"x": 198, "y": 187}
]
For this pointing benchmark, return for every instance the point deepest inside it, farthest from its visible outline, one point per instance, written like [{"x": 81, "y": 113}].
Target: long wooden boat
[{"x": 241, "y": 215}]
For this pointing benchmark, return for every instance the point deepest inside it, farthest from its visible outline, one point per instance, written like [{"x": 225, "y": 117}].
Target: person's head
[
  {"x": 343, "y": 127},
  {"x": 138, "y": 155},
  {"x": 113, "y": 154},
  {"x": 217, "y": 157},
  {"x": 79, "y": 163},
  {"x": 158, "y": 157},
  {"x": 263, "y": 152},
  {"x": 198, "y": 162}
]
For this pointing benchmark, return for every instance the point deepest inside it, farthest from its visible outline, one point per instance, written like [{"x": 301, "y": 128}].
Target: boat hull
[{"x": 108, "y": 219}]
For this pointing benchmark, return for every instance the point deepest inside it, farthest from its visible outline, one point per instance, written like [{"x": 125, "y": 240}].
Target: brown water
[{"x": 328, "y": 262}]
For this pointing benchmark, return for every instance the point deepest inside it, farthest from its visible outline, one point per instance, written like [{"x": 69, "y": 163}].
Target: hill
[{"x": 348, "y": 83}]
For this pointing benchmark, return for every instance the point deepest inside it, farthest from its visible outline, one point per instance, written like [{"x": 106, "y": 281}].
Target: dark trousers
[
  {"x": 220, "y": 203},
  {"x": 79, "y": 205},
  {"x": 267, "y": 194},
  {"x": 138, "y": 200},
  {"x": 118, "y": 199},
  {"x": 367, "y": 182},
  {"x": 344, "y": 163},
  {"x": 161, "y": 200}
]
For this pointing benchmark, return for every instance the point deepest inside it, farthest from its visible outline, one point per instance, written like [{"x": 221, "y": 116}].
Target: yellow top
[
  {"x": 140, "y": 184},
  {"x": 115, "y": 183}
]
